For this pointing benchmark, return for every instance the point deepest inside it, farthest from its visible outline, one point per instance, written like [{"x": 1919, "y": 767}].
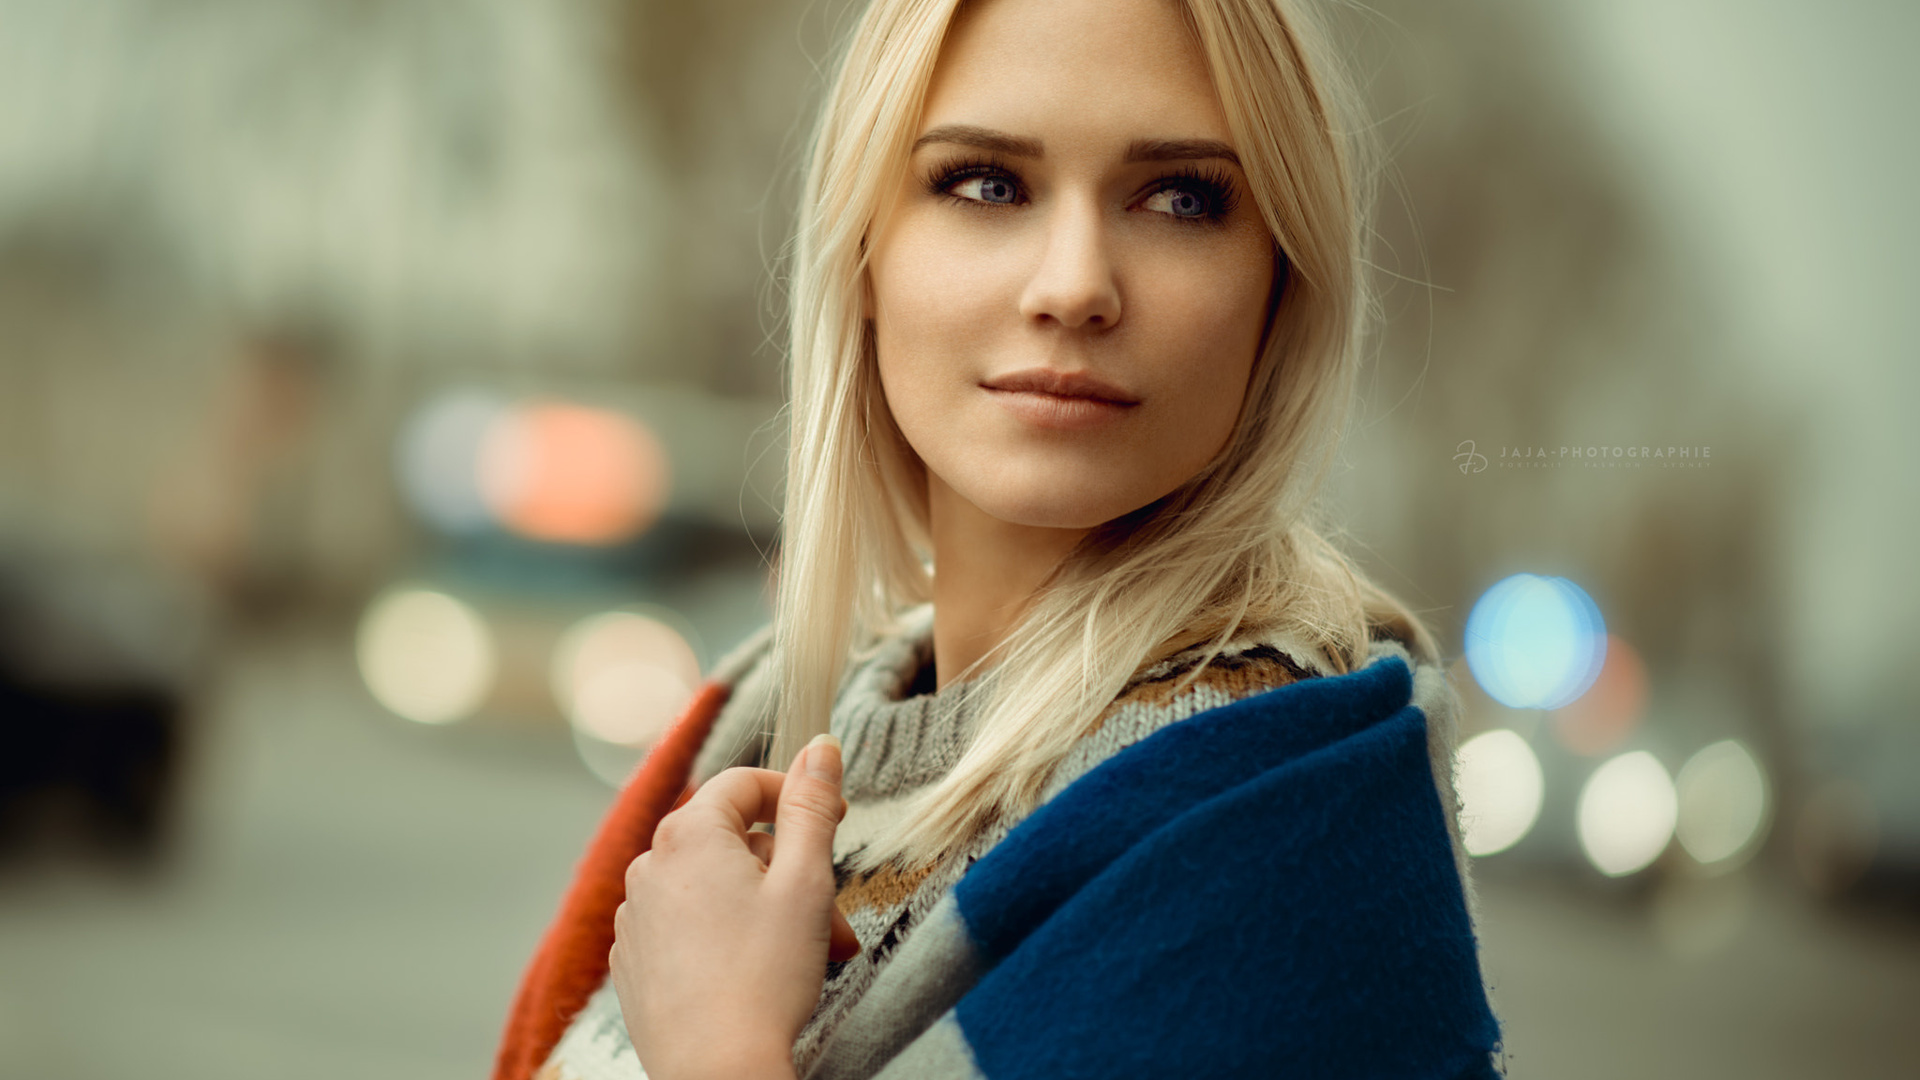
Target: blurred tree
[{"x": 1536, "y": 299}]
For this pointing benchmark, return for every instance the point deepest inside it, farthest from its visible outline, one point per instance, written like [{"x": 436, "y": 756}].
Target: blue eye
[
  {"x": 1179, "y": 203},
  {"x": 997, "y": 190},
  {"x": 1195, "y": 195},
  {"x": 979, "y": 181}
]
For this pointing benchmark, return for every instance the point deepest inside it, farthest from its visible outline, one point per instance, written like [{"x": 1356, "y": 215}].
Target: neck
[{"x": 985, "y": 573}]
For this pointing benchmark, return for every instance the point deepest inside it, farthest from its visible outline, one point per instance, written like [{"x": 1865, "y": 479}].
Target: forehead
[{"x": 1078, "y": 74}]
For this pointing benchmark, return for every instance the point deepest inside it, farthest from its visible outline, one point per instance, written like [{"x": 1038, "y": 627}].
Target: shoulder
[
  {"x": 1187, "y": 683},
  {"x": 1251, "y": 662},
  {"x": 1208, "y": 676}
]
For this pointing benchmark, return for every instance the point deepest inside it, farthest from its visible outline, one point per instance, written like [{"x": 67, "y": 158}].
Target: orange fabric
[{"x": 572, "y": 959}]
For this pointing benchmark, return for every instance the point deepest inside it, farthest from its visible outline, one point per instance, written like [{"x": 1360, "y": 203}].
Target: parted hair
[{"x": 1234, "y": 550}]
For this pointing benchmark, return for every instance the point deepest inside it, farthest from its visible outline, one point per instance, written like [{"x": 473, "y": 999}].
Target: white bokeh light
[
  {"x": 629, "y": 703},
  {"x": 1627, "y": 813},
  {"x": 1723, "y": 802},
  {"x": 1500, "y": 786},
  {"x": 425, "y": 655},
  {"x": 622, "y": 677}
]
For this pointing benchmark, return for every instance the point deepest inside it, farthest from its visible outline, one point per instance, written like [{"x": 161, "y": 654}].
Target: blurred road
[
  {"x": 1590, "y": 987},
  {"x": 357, "y": 896}
]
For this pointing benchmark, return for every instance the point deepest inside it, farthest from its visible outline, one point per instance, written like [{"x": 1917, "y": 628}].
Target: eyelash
[
  {"x": 948, "y": 177},
  {"x": 1212, "y": 184}
]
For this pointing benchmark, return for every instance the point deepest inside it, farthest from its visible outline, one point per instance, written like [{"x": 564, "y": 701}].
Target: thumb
[{"x": 809, "y": 811}]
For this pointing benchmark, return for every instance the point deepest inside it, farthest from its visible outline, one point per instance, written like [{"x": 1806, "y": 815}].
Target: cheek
[
  {"x": 904, "y": 288},
  {"x": 935, "y": 301},
  {"x": 1205, "y": 322}
]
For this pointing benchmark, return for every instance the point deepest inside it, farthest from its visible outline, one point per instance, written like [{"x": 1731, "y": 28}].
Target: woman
[{"x": 1152, "y": 783}]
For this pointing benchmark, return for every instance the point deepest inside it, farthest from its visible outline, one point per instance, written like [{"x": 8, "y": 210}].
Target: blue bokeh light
[
  {"x": 1535, "y": 642},
  {"x": 438, "y": 457}
]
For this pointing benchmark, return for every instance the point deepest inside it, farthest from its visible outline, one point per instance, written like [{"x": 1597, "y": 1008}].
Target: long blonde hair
[{"x": 1232, "y": 549}]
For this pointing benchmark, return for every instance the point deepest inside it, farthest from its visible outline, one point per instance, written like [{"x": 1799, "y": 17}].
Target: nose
[{"x": 1074, "y": 284}]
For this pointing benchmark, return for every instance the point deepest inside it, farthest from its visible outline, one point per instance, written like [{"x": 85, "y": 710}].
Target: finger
[
  {"x": 761, "y": 844},
  {"x": 841, "y": 942},
  {"x": 636, "y": 871},
  {"x": 737, "y": 798},
  {"x": 809, "y": 810}
]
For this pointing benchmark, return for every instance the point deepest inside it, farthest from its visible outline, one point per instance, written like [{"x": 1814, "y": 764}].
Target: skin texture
[{"x": 1063, "y": 254}]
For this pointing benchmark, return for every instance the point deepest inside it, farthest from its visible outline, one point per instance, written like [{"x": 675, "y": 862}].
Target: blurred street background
[{"x": 391, "y": 435}]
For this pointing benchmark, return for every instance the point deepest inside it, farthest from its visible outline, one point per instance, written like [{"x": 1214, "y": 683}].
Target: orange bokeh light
[
  {"x": 573, "y": 474},
  {"x": 1602, "y": 718}
]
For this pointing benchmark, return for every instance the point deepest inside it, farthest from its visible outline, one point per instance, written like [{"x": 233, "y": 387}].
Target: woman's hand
[{"x": 721, "y": 947}]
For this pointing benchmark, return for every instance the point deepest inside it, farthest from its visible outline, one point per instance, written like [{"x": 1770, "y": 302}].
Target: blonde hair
[{"x": 1232, "y": 549}]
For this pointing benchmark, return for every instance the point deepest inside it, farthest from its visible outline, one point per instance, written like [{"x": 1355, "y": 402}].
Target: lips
[
  {"x": 1071, "y": 385},
  {"x": 1060, "y": 400}
]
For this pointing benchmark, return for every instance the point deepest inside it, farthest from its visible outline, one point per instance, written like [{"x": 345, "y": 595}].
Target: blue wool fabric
[{"x": 1265, "y": 889}]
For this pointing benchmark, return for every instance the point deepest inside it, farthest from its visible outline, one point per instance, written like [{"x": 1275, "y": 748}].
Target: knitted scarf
[{"x": 1265, "y": 888}]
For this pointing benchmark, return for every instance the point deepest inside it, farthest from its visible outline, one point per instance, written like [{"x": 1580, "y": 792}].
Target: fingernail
[{"x": 820, "y": 765}]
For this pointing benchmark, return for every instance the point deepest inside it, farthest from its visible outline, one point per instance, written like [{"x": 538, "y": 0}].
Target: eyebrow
[
  {"x": 1138, "y": 150},
  {"x": 981, "y": 139},
  {"x": 1179, "y": 150}
]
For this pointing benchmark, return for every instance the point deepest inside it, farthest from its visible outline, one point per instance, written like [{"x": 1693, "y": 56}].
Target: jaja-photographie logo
[{"x": 1470, "y": 459}]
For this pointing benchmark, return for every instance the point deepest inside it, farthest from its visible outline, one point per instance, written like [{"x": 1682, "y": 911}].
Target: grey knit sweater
[{"x": 896, "y": 742}]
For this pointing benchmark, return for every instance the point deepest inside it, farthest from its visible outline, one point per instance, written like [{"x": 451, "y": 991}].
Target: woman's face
[{"x": 1070, "y": 285}]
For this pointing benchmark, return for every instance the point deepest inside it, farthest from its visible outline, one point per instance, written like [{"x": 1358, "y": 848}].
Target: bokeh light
[
  {"x": 425, "y": 655},
  {"x": 1500, "y": 786},
  {"x": 621, "y": 677},
  {"x": 1723, "y": 802},
  {"x": 1598, "y": 721},
  {"x": 572, "y": 474},
  {"x": 1626, "y": 814},
  {"x": 438, "y": 458},
  {"x": 1535, "y": 642}
]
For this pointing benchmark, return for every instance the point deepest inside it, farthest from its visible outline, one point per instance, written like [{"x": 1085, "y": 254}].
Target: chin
[{"x": 1060, "y": 506}]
